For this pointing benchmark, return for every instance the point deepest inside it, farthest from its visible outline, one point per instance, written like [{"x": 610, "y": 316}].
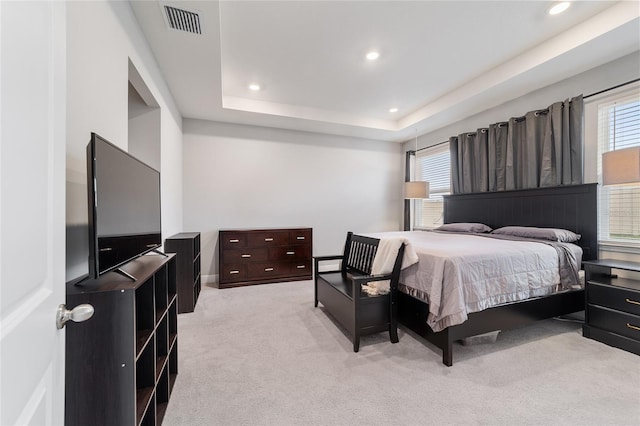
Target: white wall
[
  {"x": 253, "y": 177},
  {"x": 101, "y": 39},
  {"x": 144, "y": 130},
  {"x": 597, "y": 79}
]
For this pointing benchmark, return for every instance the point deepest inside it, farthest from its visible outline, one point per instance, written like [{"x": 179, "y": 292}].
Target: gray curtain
[{"x": 542, "y": 148}]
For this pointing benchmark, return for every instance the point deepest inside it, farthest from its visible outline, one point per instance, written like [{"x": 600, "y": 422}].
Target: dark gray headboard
[{"x": 572, "y": 207}]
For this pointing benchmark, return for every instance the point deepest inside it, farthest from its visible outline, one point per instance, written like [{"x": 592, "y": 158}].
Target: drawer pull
[
  {"x": 299, "y": 238},
  {"x": 268, "y": 239},
  {"x": 234, "y": 241},
  {"x": 268, "y": 269},
  {"x": 632, "y": 301},
  {"x": 300, "y": 266},
  {"x": 245, "y": 255},
  {"x": 234, "y": 272},
  {"x": 633, "y": 327},
  {"x": 291, "y": 252}
]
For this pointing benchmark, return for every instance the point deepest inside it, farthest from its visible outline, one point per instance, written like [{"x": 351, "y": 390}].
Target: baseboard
[{"x": 210, "y": 279}]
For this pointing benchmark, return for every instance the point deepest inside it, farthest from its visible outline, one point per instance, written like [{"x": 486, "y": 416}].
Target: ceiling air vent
[{"x": 182, "y": 20}]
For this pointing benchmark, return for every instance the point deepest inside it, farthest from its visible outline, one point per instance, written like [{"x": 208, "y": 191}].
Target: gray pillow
[
  {"x": 552, "y": 234},
  {"x": 464, "y": 227}
]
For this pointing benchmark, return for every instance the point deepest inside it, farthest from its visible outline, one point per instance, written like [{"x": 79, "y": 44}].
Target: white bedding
[{"x": 458, "y": 274}]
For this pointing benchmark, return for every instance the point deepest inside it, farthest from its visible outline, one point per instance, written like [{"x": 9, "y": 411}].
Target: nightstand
[{"x": 612, "y": 304}]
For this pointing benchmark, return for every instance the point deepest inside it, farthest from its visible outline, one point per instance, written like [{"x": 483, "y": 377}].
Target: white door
[{"x": 32, "y": 211}]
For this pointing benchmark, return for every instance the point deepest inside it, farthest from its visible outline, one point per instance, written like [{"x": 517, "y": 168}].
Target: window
[
  {"x": 433, "y": 166},
  {"x": 619, "y": 205}
]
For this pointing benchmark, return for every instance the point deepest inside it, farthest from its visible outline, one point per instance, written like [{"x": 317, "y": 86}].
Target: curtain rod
[
  {"x": 584, "y": 97},
  {"x": 611, "y": 88}
]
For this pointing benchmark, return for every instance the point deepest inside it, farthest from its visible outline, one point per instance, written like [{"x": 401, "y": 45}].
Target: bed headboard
[{"x": 572, "y": 207}]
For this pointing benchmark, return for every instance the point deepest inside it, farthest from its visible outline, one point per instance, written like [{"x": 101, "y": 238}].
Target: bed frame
[{"x": 572, "y": 207}]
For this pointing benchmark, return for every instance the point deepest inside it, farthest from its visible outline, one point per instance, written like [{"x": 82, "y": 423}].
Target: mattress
[{"x": 459, "y": 273}]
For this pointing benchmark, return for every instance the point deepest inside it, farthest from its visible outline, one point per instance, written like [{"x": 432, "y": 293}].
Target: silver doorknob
[{"x": 78, "y": 314}]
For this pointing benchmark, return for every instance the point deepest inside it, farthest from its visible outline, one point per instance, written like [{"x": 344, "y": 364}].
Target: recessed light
[
  {"x": 559, "y": 8},
  {"x": 255, "y": 87},
  {"x": 372, "y": 56},
  {"x": 393, "y": 109}
]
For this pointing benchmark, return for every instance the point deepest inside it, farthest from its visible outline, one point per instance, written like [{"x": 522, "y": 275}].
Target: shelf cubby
[
  {"x": 149, "y": 416},
  {"x": 173, "y": 365},
  {"x": 161, "y": 293},
  {"x": 162, "y": 345},
  {"x": 162, "y": 394}
]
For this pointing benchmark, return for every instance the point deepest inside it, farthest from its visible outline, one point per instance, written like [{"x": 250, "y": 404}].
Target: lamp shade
[
  {"x": 621, "y": 166},
  {"x": 416, "y": 189}
]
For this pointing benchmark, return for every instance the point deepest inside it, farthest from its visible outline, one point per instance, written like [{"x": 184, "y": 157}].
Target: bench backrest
[{"x": 359, "y": 252}]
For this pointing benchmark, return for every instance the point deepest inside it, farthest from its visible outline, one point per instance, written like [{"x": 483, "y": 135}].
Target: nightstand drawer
[
  {"x": 614, "y": 297},
  {"x": 617, "y": 322}
]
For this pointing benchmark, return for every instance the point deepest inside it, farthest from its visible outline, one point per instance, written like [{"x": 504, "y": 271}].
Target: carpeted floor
[{"x": 263, "y": 355}]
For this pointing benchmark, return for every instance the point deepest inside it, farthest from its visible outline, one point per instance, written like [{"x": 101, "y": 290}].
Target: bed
[{"x": 571, "y": 207}]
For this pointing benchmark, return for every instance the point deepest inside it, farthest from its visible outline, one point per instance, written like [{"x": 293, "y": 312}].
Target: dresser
[
  {"x": 259, "y": 256},
  {"x": 612, "y": 304}
]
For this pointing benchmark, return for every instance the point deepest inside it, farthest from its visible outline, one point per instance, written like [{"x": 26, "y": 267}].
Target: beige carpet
[{"x": 263, "y": 355}]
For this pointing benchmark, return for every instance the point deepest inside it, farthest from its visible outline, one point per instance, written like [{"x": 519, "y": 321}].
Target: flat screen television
[{"x": 124, "y": 207}]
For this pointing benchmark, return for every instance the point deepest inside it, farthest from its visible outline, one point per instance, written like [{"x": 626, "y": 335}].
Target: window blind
[
  {"x": 619, "y": 205},
  {"x": 434, "y": 166}
]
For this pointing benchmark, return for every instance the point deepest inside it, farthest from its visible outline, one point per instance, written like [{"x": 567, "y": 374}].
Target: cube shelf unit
[
  {"x": 186, "y": 245},
  {"x": 122, "y": 363}
]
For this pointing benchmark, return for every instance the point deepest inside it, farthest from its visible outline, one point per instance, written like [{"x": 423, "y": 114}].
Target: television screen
[{"x": 124, "y": 206}]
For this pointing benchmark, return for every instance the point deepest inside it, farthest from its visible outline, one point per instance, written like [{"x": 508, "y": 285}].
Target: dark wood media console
[
  {"x": 261, "y": 256},
  {"x": 121, "y": 364}
]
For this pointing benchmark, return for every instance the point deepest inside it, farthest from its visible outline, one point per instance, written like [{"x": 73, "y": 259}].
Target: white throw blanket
[{"x": 385, "y": 259}]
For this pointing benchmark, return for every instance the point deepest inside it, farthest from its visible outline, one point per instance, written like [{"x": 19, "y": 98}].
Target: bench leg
[
  {"x": 315, "y": 293},
  {"x": 393, "y": 333},
  {"x": 356, "y": 342},
  {"x": 393, "y": 318},
  {"x": 447, "y": 354}
]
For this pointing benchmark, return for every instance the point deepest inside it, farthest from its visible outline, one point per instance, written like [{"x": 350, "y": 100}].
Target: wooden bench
[{"x": 340, "y": 291}]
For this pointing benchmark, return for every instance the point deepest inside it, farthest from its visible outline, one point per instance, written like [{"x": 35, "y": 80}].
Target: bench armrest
[
  {"x": 369, "y": 278},
  {"x": 318, "y": 259},
  {"x": 321, "y": 258}
]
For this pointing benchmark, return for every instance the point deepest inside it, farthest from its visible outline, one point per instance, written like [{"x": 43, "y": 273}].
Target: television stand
[
  {"x": 122, "y": 364},
  {"x": 124, "y": 273}
]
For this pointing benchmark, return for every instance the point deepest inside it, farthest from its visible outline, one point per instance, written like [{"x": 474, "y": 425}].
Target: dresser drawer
[
  {"x": 615, "y": 321},
  {"x": 267, "y": 270},
  {"x": 614, "y": 297},
  {"x": 232, "y": 240},
  {"x": 245, "y": 255},
  {"x": 301, "y": 268},
  {"x": 300, "y": 236},
  {"x": 268, "y": 238},
  {"x": 232, "y": 273},
  {"x": 289, "y": 253}
]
